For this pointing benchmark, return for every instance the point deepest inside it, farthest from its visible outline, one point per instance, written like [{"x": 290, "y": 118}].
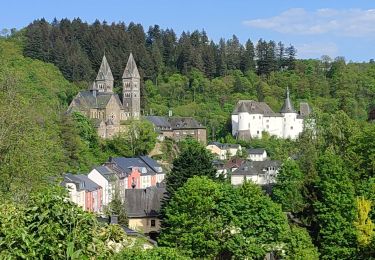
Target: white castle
[{"x": 250, "y": 118}]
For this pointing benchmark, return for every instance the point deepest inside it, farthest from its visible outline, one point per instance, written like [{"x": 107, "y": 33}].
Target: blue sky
[{"x": 314, "y": 27}]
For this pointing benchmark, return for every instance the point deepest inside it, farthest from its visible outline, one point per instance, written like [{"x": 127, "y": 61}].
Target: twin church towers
[{"x": 105, "y": 107}]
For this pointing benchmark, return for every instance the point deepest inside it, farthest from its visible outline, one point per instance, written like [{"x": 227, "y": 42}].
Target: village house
[
  {"x": 256, "y": 154},
  {"x": 224, "y": 151},
  {"x": 103, "y": 106},
  {"x": 260, "y": 172},
  {"x": 251, "y": 118},
  {"x": 107, "y": 179},
  {"x": 178, "y": 128},
  {"x": 143, "y": 209},
  {"x": 136, "y": 173},
  {"x": 83, "y": 192}
]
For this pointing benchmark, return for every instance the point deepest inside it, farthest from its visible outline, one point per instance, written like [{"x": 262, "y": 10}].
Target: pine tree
[
  {"x": 248, "y": 56},
  {"x": 194, "y": 160}
]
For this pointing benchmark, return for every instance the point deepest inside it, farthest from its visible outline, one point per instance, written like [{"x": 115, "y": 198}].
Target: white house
[
  {"x": 256, "y": 154},
  {"x": 259, "y": 172},
  {"x": 107, "y": 179},
  {"x": 250, "y": 118},
  {"x": 224, "y": 151}
]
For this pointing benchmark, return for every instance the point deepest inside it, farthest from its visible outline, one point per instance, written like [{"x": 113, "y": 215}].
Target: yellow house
[{"x": 143, "y": 209}]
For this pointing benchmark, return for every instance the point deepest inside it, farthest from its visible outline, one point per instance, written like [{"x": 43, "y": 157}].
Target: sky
[{"x": 314, "y": 27}]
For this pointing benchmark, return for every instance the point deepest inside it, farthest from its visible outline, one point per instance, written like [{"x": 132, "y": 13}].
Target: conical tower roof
[
  {"x": 105, "y": 72},
  {"x": 242, "y": 108},
  {"x": 287, "y": 106},
  {"x": 131, "y": 70}
]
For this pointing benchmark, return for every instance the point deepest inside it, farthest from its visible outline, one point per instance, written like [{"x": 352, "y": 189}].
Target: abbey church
[{"x": 103, "y": 106}]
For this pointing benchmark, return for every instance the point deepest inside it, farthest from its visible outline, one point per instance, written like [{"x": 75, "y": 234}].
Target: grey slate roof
[
  {"x": 126, "y": 164},
  {"x": 255, "y": 151},
  {"x": 160, "y": 122},
  {"x": 106, "y": 172},
  {"x": 225, "y": 146},
  {"x": 174, "y": 123},
  {"x": 105, "y": 72},
  {"x": 144, "y": 202},
  {"x": 82, "y": 182},
  {"x": 255, "y": 168},
  {"x": 86, "y": 99},
  {"x": 254, "y": 107},
  {"x": 304, "y": 110},
  {"x": 287, "y": 106},
  {"x": 184, "y": 123},
  {"x": 131, "y": 70}
]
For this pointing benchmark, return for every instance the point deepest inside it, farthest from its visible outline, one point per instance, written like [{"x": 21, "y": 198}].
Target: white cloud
[
  {"x": 316, "y": 50},
  {"x": 349, "y": 22}
]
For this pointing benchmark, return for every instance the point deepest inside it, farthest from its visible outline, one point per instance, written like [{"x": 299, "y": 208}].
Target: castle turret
[
  {"x": 243, "y": 122},
  {"x": 290, "y": 115},
  {"x": 131, "y": 89},
  {"x": 104, "y": 79},
  {"x": 287, "y": 106}
]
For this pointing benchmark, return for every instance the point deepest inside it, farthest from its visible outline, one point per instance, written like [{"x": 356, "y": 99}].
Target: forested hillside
[
  {"x": 194, "y": 76},
  {"x": 33, "y": 94}
]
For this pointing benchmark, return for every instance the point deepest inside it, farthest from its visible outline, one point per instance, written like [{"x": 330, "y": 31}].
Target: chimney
[{"x": 113, "y": 219}]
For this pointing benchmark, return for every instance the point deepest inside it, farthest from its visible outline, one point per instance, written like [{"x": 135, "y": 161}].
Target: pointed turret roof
[
  {"x": 242, "y": 108},
  {"x": 105, "y": 72},
  {"x": 131, "y": 70},
  {"x": 287, "y": 106}
]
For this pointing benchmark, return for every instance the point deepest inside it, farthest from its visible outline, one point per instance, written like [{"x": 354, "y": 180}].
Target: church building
[
  {"x": 103, "y": 106},
  {"x": 251, "y": 118}
]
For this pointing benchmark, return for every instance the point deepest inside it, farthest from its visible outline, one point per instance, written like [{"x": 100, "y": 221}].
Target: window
[
  {"x": 259, "y": 117},
  {"x": 153, "y": 223},
  {"x": 267, "y": 121},
  {"x": 253, "y": 117},
  {"x": 257, "y": 132},
  {"x": 291, "y": 128},
  {"x": 267, "y": 126}
]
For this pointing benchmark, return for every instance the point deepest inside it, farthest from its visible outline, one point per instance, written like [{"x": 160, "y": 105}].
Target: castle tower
[
  {"x": 104, "y": 79},
  {"x": 290, "y": 116},
  {"x": 131, "y": 82}
]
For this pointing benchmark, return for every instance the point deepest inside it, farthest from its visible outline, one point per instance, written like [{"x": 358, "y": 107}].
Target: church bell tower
[{"x": 131, "y": 89}]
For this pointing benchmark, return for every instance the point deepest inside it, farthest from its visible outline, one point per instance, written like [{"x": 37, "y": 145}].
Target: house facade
[
  {"x": 251, "y": 118},
  {"x": 256, "y": 154},
  {"x": 259, "y": 172},
  {"x": 143, "y": 209},
  {"x": 178, "y": 128},
  {"x": 103, "y": 106},
  {"x": 107, "y": 179},
  {"x": 136, "y": 173},
  {"x": 84, "y": 192},
  {"x": 224, "y": 151}
]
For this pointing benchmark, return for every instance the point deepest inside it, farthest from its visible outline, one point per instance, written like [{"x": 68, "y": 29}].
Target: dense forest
[
  {"x": 322, "y": 205},
  {"x": 193, "y": 76}
]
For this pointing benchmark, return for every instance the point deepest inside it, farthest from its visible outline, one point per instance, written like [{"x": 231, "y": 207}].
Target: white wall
[
  {"x": 288, "y": 126},
  {"x": 77, "y": 197},
  {"x": 258, "y": 157},
  {"x": 234, "y": 125},
  {"x": 96, "y": 177}
]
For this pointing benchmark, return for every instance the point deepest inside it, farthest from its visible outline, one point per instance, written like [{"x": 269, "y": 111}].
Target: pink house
[
  {"x": 84, "y": 192},
  {"x": 136, "y": 173}
]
